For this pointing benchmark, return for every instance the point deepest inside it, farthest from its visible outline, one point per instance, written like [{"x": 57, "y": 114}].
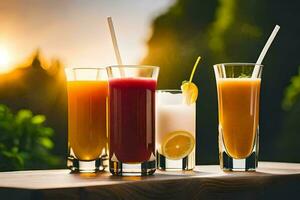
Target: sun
[{"x": 4, "y": 60}]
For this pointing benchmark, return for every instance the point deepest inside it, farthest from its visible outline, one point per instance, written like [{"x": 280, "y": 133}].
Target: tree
[{"x": 41, "y": 88}]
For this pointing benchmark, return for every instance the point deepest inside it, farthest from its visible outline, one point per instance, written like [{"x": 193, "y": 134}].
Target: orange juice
[
  {"x": 238, "y": 114},
  {"x": 87, "y": 111}
]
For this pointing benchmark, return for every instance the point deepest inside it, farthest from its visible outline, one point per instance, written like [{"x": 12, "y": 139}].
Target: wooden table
[{"x": 271, "y": 181}]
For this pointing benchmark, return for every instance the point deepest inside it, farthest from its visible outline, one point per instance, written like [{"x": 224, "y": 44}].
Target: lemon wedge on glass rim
[
  {"x": 177, "y": 145},
  {"x": 189, "y": 92},
  {"x": 189, "y": 89}
]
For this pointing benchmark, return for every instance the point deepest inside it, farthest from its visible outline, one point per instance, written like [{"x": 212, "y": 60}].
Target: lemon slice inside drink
[
  {"x": 189, "y": 92},
  {"x": 177, "y": 145}
]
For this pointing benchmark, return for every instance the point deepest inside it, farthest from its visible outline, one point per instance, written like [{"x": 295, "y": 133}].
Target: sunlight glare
[{"x": 4, "y": 60}]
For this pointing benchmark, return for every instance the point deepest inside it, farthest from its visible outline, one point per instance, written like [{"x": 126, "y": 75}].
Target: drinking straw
[
  {"x": 114, "y": 40},
  {"x": 264, "y": 51},
  {"x": 194, "y": 68}
]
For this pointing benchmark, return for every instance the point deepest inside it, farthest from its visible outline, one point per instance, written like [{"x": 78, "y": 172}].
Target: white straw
[
  {"x": 267, "y": 45},
  {"x": 114, "y": 40},
  {"x": 264, "y": 51}
]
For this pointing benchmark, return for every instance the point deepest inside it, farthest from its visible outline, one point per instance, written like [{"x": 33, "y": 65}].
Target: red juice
[{"x": 132, "y": 119}]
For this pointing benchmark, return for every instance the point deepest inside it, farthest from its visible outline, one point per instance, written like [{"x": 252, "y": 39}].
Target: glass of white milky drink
[{"x": 175, "y": 131}]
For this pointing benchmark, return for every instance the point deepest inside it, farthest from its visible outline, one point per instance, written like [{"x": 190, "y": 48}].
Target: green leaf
[
  {"x": 46, "y": 131},
  {"x": 38, "y": 119},
  {"x": 46, "y": 142},
  {"x": 15, "y": 150},
  {"x": 23, "y": 115},
  {"x": 7, "y": 154}
]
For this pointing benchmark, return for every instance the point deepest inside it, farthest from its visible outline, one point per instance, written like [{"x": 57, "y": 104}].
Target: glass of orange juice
[
  {"x": 238, "y": 86},
  {"x": 87, "y": 119}
]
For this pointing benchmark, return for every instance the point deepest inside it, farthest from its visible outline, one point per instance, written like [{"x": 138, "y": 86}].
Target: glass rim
[
  {"x": 169, "y": 90},
  {"x": 134, "y": 66},
  {"x": 239, "y": 64},
  {"x": 85, "y": 68}
]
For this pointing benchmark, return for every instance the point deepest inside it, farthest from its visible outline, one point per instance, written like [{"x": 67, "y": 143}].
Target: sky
[{"x": 76, "y": 31}]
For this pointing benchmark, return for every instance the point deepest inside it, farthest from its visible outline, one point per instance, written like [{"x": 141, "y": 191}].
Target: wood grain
[{"x": 271, "y": 181}]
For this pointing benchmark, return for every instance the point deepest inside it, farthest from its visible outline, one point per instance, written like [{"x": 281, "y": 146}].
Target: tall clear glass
[
  {"x": 238, "y": 86},
  {"x": 132, "y": 119},
  {"x": 175, "y": 131},
  {"x": 87, "y": 125}
]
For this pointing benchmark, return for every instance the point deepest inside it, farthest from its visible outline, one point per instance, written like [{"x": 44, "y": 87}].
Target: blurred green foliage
[
  {"x": 292, "y": 93},
  {"x": 25, "y": 141},
  {"x": 291, "y": 128}
]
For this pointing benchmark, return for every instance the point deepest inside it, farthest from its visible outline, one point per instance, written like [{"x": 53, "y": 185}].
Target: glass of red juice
[{"x": 132, "y": 119}]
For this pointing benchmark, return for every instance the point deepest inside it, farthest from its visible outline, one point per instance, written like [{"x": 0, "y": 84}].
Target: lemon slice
[
  {"x": 177, "y": 144},
  {"x": 189, "y": 92}
]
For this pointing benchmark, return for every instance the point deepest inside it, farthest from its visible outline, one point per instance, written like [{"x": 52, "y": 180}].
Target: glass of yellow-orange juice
[
  {"x": 87, "y": 114},
  {"x": 238, "y": 86}
]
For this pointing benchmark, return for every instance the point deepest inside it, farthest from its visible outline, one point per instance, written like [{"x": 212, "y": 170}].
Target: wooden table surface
[{"x": 272, "y": 180}]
